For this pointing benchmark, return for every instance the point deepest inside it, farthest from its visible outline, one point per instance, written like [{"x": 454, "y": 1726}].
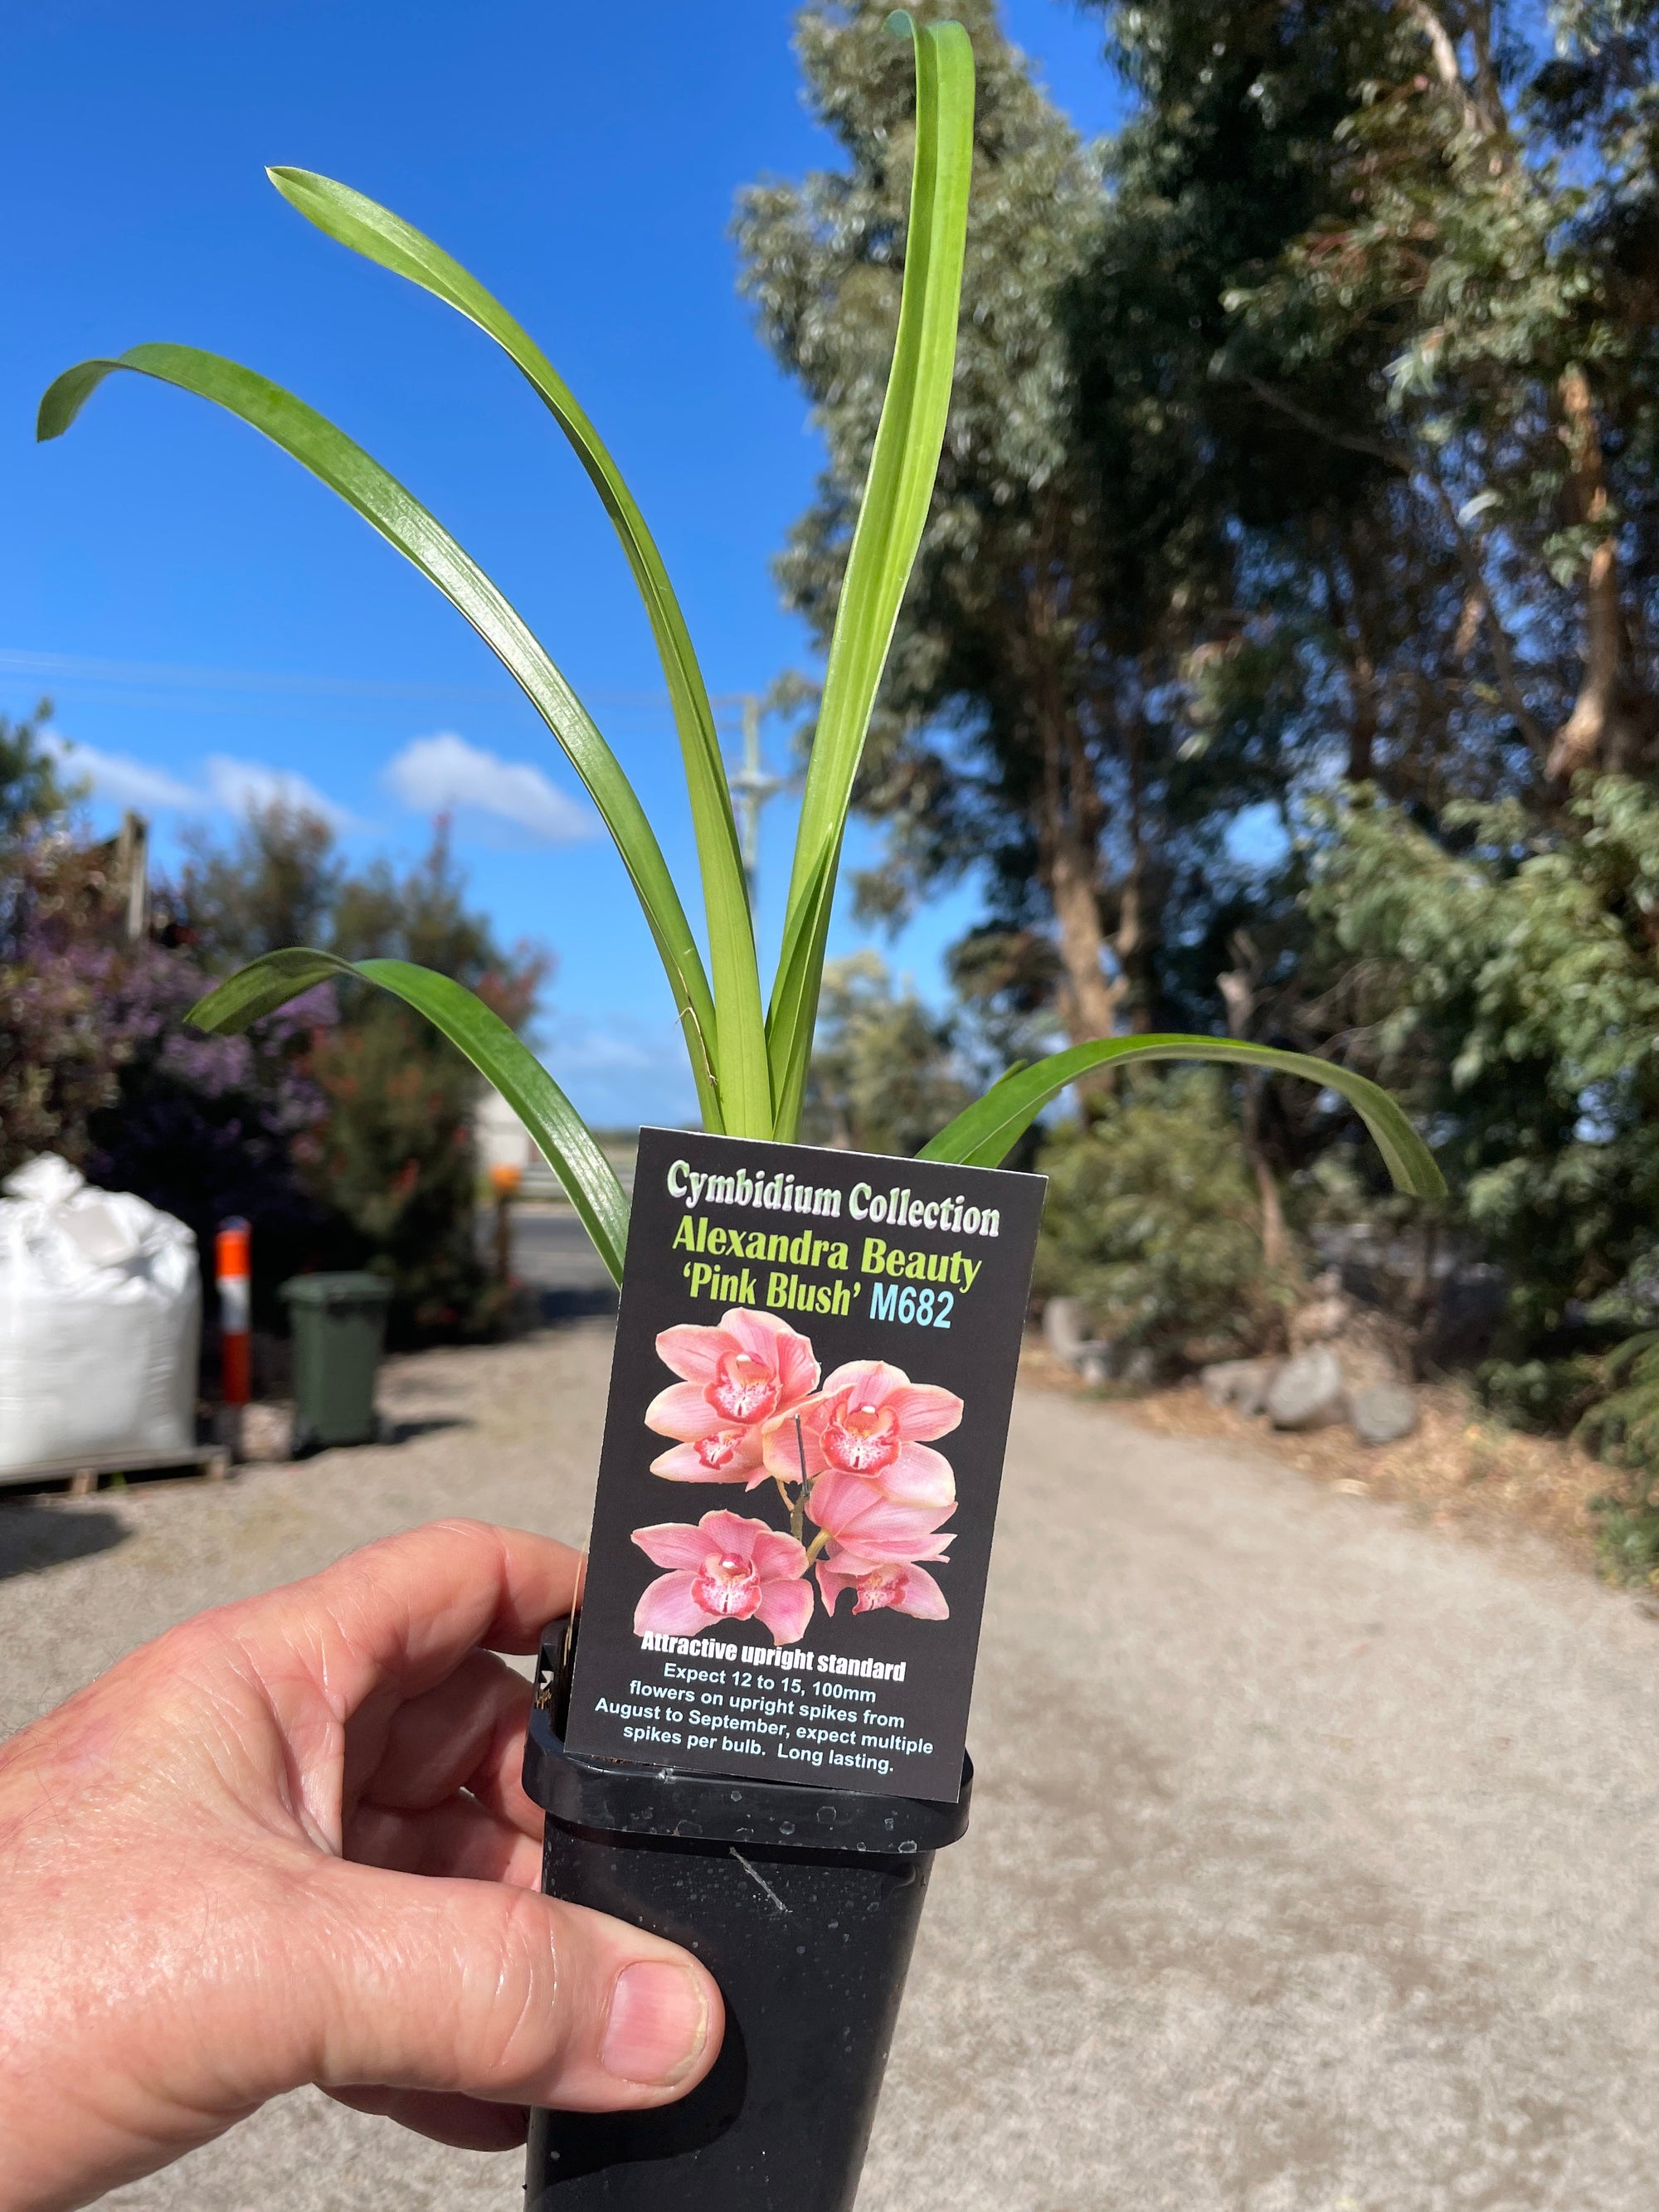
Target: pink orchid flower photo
[
  {"x": 853, "y": 1457},
  {"x": 869, "y": 1419},
  {"x": 856, "y": 1516},
  {"x": 725, "y": 1568},
  {"x": 736, "y": 1378},
  {"x": 895, "y": 1585},
  {"x": 875, "y": 1547}
]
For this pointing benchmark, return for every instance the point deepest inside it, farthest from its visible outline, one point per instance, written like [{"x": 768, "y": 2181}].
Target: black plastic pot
[{"x": 803, "y": 1903}]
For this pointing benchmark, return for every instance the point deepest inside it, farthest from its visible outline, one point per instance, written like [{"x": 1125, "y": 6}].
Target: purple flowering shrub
[{"x": 95, "y": 1064}]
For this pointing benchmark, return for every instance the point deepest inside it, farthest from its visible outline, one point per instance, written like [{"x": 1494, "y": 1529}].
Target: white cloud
[
  {"x": 239, "y": 787},
  {"x": 444, "y": 773},
  {"x": 227, "y": 786},
  {"x": 118, "y": 777}
]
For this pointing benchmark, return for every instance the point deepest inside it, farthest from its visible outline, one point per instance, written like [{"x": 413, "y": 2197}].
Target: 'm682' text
[{"x": 923, "y": 1309}]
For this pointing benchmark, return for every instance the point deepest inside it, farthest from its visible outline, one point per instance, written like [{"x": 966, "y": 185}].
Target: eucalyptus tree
[
  {"x": 1428, "y": 389},
  {"x": 1025, "y": 727},
  {"x": 1424, "y": 307}
]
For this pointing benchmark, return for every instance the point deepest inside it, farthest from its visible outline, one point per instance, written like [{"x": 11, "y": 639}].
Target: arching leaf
[
  {"x": 982, "y": 1133},
  {"x": 404, "y": 523},
  {"x": 371, "y": 230},
  {"x": 903, "y": 466},
  {"x": 499, "y": 1056}
]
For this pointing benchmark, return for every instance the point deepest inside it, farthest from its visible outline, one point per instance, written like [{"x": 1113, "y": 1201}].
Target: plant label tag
[{"x": 814, "y": 1368}]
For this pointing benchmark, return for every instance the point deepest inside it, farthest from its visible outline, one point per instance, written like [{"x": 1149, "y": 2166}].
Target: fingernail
[{"x": 659, "y": 2024}]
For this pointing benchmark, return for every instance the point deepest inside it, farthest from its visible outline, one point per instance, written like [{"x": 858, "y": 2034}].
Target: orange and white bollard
[
  {"x": 504, "y": 1180},
  {"x": 233, "y": 1272}
]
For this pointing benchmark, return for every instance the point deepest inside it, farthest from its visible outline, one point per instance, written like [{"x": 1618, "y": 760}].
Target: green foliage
[
  {"x": 1625, "y": 1423},
  {"x": 1628, "y": 1535},
  {"x": 1546, "y": 1396},
  {"x": 1623, "y": 1426},
  {"x": 32, "y": 792},
  {"x": 1510, "y": 987},
  {"x": 275, "y": 883},
  {"x": 883, "y": 1077},
  {"x": 394, "y": 1155},
  {"x": 1153, "y": 1223},
  {"x": 391, "y": 1158}
]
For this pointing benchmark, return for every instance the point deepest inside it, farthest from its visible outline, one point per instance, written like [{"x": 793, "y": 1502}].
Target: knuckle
[{"x": 522, "y": 2030}]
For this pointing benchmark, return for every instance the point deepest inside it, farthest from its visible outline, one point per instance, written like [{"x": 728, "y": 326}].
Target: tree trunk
[
  {"x": 1238, "y": 996},
  {"x": 1068, "y": 825},
  {"x": 1481, "y": 116},
  {"x": 1361, "y": 672},
  {"x": 1088, "y": 997},
  {"x": 1134, "y": 938},
  {"x": 1582, "y": 739}
]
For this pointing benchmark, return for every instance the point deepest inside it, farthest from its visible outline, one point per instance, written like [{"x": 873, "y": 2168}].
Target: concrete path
[{"x": 1314, "y": 1857}]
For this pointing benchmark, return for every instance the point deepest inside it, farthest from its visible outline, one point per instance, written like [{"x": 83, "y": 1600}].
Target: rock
[
  {"x": 1240, "y": 1383},
  {"x": 1372, "y": 1349},
  {"x": 1307, "y": 1392},
  {"x": 1138, "y": 1367},
  {"x": 1324, "y": 1316},
  {"x": 1065, "y": 1331},
  {"x": 1383, "y": 1413}
]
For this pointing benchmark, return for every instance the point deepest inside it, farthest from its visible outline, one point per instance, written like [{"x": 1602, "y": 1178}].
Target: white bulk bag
[{"x": 101, "y": 1316}]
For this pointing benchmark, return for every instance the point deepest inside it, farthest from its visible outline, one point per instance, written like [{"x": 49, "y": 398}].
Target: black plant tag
[{"x": 809, "y": 1403}]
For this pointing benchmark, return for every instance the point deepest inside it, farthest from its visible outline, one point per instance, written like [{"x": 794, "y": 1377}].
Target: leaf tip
[{"x": 62, "y": 398}]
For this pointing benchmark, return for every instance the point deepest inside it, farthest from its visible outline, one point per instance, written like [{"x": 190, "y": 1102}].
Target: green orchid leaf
[
  {"x": 903, "y": 466},
  {"x": 404, "y": 523},
  {"x": 373, "y": 231},
  {"x": 500, "y": 1057},
  {"x": 795, "y": 991},
  {"x": 983, "y": 1135}
]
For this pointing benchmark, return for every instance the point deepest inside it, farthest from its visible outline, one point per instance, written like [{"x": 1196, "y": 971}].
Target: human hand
[{"x": 287, "y": 1843}]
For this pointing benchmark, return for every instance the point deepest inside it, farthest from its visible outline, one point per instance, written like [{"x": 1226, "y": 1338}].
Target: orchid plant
[{"x": 749, "y": 1061}]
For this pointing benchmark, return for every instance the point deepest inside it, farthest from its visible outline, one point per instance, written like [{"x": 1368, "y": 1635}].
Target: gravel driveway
[{"x": 1312, "y": 1861}]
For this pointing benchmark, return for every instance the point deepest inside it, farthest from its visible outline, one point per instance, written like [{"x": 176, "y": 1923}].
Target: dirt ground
[
  {"x": 1309, "y": 1869},
  {"x": 1460, "y": 1469}
]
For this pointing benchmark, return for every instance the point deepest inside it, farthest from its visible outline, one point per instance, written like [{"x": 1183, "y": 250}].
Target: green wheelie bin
[{"x": 338, "y": 1327}]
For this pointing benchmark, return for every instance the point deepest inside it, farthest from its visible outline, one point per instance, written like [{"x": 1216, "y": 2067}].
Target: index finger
[{"x": 401, "y": 1613}]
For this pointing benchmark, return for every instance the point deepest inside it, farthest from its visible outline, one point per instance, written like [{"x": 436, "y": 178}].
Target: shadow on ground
[
  {"x": 35, "y": 1535},
  {"x": 398, "y": 1429}
]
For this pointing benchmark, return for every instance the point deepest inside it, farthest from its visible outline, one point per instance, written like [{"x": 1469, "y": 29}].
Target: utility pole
[{"x": 751, "y": 786}]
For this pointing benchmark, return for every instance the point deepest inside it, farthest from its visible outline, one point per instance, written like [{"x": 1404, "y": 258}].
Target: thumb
[{"x": 474, "y": 1989}]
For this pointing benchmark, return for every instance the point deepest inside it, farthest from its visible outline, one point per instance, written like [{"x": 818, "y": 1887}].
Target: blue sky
[{"x": 208, "y": 619}]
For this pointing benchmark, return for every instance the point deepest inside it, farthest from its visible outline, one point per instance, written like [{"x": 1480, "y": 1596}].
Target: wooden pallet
[{"x": 212, "y": 1461}]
